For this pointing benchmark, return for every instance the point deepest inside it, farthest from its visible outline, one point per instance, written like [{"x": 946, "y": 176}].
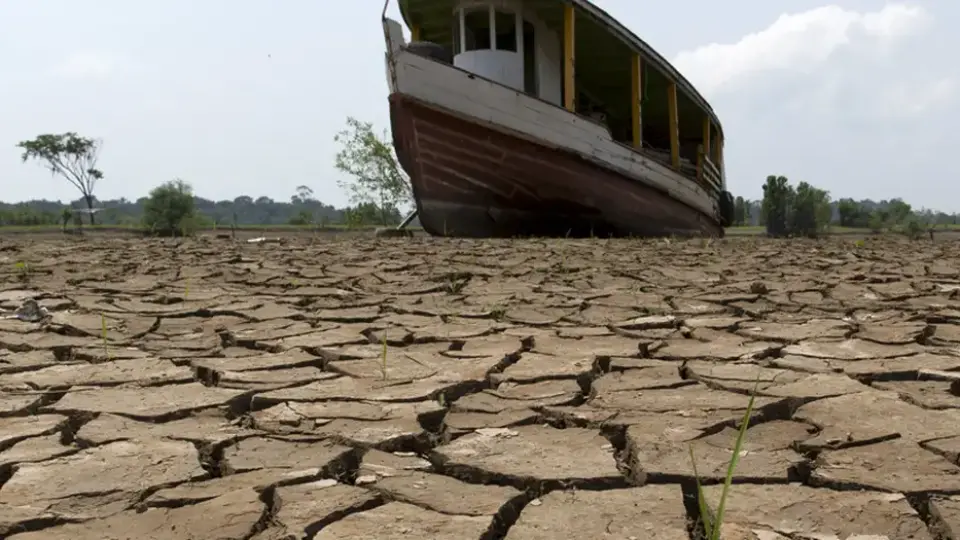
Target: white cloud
[
  {"x": 798, "y": 43},
  {"x": 860, "y": 103},
  {"x": 894, "y": 20},
  {"x": 86, "y": 65}
]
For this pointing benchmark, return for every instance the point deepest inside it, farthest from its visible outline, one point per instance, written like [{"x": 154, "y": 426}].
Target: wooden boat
[{"x": 548, "y": 117}]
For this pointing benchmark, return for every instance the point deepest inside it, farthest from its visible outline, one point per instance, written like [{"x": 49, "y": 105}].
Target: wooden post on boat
[
  {"x": 707, "y": 129},
  {"x": 701, "y": 165},
  {"x": 569, "y": 60},
  {"x": 703, "y": 150},
  {"x": 636, "y": 65},
  {"x": 718, "y": 150},
  {"x": 674, "y": 125},
  {"x": 415, "y": 33}
]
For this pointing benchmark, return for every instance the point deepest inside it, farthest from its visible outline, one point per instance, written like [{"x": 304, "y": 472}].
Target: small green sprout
[
  {"x": 23, "y": 270},
  {"x": 383, "y": 360},
  {"x": 103, "y": 335},
  {"x": 454, "y": 285}
]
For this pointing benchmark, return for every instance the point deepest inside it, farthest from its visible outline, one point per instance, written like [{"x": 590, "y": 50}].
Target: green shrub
[
  {"x": 913, "y": 229},
  {"x": 788, "y": 211},
  {"x": 170, "y": 210}
]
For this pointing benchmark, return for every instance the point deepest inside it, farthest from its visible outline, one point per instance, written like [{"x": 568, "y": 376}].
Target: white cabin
[{"x": 503, "y": 42}]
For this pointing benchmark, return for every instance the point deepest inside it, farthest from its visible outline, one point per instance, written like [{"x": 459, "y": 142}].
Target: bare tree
[{"x": 303, "y": 195}]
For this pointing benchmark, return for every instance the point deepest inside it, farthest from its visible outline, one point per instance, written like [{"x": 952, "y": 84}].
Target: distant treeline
[
  {"x": 865, "y": 213},
  {"x": 264, "y": 211},
  {"x": 241, "y": 211}
]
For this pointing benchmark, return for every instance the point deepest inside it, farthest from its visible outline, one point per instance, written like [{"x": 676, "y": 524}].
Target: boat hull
[{"x": 472, "y": 180}]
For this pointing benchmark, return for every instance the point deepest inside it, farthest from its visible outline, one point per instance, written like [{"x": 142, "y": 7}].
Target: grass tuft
[{"x": 713, "y": 520}]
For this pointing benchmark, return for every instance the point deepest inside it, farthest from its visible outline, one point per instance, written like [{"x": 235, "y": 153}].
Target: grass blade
[
  {"x": 706, "y": 513},
  {"x": 735, "y": 458}
]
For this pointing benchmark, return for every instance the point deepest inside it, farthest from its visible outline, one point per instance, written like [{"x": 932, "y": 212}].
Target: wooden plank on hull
[
  {"x": 504, "y": 109},
  {"x": 457, "y": 194},
  {"x": 718, "y": 151},
  {"x": 707, "y": 129}
]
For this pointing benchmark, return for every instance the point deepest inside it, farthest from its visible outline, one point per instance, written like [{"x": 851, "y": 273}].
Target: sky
[{"x": 244, "y": 97}]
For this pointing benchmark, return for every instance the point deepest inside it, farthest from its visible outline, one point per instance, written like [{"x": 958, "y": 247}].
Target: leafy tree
[
  {"x": 739, "y": 211},
  {"x": 353, "y": 217},
  {"x": 70, "y": 156},
  {"x": 170, "y": 210},
  {"x": 879, "y": 220},
  {"x": 898, "y": 212},
  {"x": 376, "y": 176},
  {"x": 810, "y": 212},
  {"x": 804, "y": 211},
  {"x": 302, "y": 218},
  {"x": 65, "y": 216},
  {"x": 849, "y": 211},
  {"x": 913, "y": 228},
  {"x": 777, "y": 200}
]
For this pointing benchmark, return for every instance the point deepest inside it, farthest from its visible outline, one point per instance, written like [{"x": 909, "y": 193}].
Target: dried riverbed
[{"x": 532, "y": 390}]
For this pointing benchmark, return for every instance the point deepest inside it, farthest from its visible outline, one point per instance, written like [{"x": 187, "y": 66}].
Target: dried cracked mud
[{"x": 477, "y": 390}]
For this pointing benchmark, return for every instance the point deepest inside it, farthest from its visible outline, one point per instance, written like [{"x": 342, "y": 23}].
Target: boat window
[
  {"x": 530, "y": 85},
  {"x": 506, "y": 27},
  {"x": 476, "y": 22}
]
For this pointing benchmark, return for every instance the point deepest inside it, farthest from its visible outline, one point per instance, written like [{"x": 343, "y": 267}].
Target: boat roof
[{"x": 625, "y": 35}]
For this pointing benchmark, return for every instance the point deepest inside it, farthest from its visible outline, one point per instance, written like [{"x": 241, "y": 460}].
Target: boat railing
[
  {"x": 687, "y": 167},
  {"x": 708, "y": 174}
]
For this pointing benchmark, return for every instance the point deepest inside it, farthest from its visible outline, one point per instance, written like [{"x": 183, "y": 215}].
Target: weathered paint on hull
[{"x": 470, "y": 180}]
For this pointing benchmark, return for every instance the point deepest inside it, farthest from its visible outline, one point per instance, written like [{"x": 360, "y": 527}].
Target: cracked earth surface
[{"x": 532, "y": 390}]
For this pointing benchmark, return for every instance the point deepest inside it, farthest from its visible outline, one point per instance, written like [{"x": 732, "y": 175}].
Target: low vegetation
[
  {"x": 378, "y": 188},
  {"x": 806, "y": 210},
  {"x": 374, "y": 181}
]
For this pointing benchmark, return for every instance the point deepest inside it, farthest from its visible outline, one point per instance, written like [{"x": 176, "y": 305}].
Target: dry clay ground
[{"x": 532, "y": 390}]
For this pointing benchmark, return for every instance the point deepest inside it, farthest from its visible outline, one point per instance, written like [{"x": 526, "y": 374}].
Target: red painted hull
[{"x": 473, "y": 181}]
